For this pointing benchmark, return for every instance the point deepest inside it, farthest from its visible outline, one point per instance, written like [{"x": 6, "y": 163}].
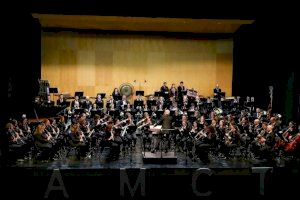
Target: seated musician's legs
[
  {"x": 128, "y": 140},
  {"x": 182, "y": 143},
  {"x": 45, "y": 149},
  {"x": 149, "y": 141},
  {"x": 115, "y": 145},
  {"x": 155, "y": 143},
  {"x": 134, "y": 139},
  {"x": 83, "y": 149},
  {"x": 16, "y": 151}
]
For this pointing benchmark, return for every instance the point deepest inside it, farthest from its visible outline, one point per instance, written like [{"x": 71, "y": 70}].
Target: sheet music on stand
[{"x": 155, "y": 129}]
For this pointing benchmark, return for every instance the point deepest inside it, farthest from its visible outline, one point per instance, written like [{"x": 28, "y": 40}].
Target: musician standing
[
  {"x": 164, "y": 90},
  {"x": 181, "y": 88},
  {"x": 76, "y": 103},
  {"x": 87, "y": 104},
  {"x": 116, "y": 94},
  {"x": 217, "y": 94},
  {"x": 173, "y": 91}
]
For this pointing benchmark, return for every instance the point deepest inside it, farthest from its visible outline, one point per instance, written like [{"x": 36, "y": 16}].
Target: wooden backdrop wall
[{"x": 96, "y": 63}]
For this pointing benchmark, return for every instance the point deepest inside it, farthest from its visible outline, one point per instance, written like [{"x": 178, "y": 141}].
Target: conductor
[{"x": 163, "y": 141}]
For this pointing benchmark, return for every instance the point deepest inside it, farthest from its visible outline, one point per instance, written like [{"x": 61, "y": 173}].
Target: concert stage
[{"x": 130, "y": 176}]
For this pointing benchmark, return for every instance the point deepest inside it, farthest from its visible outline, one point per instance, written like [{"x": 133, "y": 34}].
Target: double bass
[
  {"x": 289, "y": 146},
  {"x": 292, "y": 146}
]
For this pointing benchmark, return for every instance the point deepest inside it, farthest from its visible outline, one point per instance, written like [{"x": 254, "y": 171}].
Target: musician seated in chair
[
  {"x": 138, "y": 102},
  {"x": 48, "y": 102},
  {"x": 291, "y": 131},
  {"x": 76, "y": 103},
  {"x": 78, "y": 140},
  {"x": 264, "y": 146},
  {"x": 143, "y": 126},
  {"x": 99, "y": 101},
  {"x": 232, "y": 140},
  {"x": 16, "y": 143},
  {"x": 182, "y": 136},
  {"x": 61, "y": 101},
  {"x": 205, "y": 139},
  {"x": 130, "y": 134},
  {"x": 45, "y": 142},
  {"x": 123, "y": 105},
  {"x": 87, "y": 104}
]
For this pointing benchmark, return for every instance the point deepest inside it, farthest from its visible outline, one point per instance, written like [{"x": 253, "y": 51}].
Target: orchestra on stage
[{"x": 174, "y": 119}]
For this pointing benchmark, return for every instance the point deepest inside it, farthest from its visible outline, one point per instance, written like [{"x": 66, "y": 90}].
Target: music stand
[
  {"x": 65, "y": 104},
  {"x": 192, "y": 118},
  {"x": 190, "y": 113},
  {"x": 79, "y": 94},
  {"x": 53, "y": 90},
  {"x": 79, "y": 111},
  {"x": 184, "y": 92},
  {"x": 172, "y": 112},
  {"x": 157, "y": 94},
  {"x": 159, "y": 113},
  {"x": 222, "y": 94},
  {"x": 138, "y": 103},
  {"x": 208, "y": 121},
  {"x": 118, "y": 98},
  {"x": 139, "y": 92},
  {"x": 94, "y": 112},
  {"x": 151, "y": 103}
]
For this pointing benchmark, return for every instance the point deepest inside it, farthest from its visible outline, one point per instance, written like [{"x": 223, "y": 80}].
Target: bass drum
[{"x": 126, "y": 89}]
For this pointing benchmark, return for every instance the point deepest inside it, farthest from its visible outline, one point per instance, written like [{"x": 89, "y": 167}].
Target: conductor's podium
[{"x": 159, "y": 157}]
